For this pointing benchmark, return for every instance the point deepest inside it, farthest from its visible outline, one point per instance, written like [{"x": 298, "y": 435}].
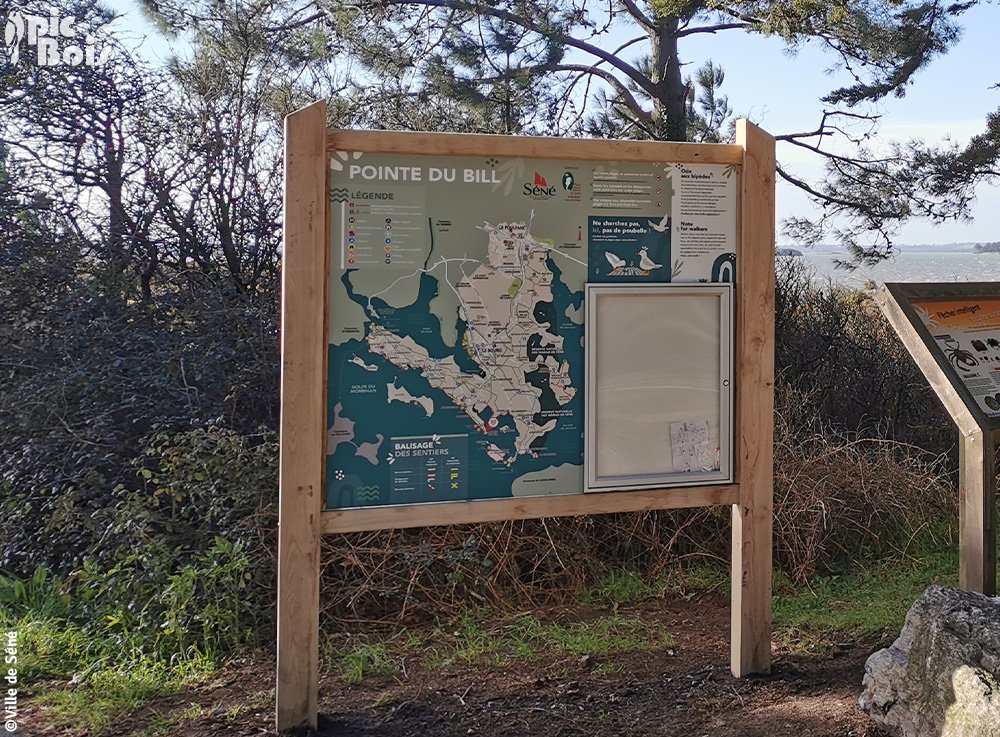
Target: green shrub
[
  {"x": 95, "y": 381},
  {"x": 41, "y": 595},
  {"x": 198, "y": 484},
  {"x": 130, "y": 616}
]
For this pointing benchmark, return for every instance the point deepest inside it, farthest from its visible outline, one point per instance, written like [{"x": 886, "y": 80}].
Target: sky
[
  {"x": 949, "y": 98},
  {"x": 781, "y": 93}
]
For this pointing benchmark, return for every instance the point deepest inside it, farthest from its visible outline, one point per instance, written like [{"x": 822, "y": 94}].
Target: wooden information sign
[
  {"x": 953, "y": 333},
  {"x": 432, "y": 342}
]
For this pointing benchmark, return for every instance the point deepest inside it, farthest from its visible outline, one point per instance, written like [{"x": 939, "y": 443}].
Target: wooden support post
[
  {"x": 303, "y": 415},
  {"x": 976, "y": 511},
  {"x": 750, "y": 604}
]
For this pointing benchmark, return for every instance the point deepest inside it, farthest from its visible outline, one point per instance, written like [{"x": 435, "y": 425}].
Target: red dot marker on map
[{"x": 492, "y": 423}]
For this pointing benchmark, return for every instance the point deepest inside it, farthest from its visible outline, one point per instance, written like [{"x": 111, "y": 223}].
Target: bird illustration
[
  {"x": 616, "y": 263},
  {"x": 662, "y": 226},
  {"x": 645, "y": 262}
]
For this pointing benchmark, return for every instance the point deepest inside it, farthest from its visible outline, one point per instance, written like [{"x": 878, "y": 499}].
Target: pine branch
[
  {"x": 713, "y": 29},
  {"x": 825, "y": 198},
  {"x": 584, "y": 69},
  {"x": 641, "y": 18},
  {"x": 641, "y": 80},
  {"x": 292, "y": 25},
  {"x": 832, "y": 156}
]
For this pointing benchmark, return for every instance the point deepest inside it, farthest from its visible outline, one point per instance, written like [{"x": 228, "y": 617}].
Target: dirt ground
[{"x": 684, "y": 690}]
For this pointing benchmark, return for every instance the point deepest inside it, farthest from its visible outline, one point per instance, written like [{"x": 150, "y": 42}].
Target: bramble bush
[
  {"x": 140, "y": 460},
  {"x": 91, "y": 375},
  {"x": 847, "y": 370}
]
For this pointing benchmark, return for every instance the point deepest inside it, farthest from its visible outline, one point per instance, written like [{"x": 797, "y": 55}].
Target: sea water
[{"x": 904, "y": 266}]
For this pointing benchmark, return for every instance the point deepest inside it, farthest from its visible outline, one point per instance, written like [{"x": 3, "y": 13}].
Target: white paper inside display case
[{"x": 658, "y": 386}]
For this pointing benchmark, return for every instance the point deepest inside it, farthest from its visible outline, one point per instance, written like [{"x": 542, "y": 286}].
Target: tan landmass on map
[
  {"x": 400, "y": 394},
  {"x": 341, "y": 432},
  {"x": 498, "y": 301},
  {"x": 369, "y": 451},
  {"x": 361, "y": 363}
]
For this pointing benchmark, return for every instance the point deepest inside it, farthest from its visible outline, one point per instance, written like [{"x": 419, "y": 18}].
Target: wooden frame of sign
[
  {"x": 964, "y": 380},
  {"x": 304, "y": 340}
]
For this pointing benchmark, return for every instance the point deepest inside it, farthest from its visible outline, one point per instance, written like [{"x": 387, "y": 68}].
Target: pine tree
[{"x": 549, "y": 67}]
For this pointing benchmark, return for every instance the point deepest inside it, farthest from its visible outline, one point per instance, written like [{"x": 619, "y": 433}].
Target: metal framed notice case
[{"x": 658, "y": 386}]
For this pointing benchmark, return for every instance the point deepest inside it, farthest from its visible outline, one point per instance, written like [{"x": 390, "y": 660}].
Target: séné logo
[{"x": 540, "y": 190}]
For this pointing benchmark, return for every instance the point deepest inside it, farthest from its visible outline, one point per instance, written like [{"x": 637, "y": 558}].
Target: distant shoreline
[{"x": 794, "y": 249}]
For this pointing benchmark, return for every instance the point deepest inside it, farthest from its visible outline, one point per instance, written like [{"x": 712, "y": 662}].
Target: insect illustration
[
  {"x": 926, "y": 317},
  {"x": 979, "y": 346},
  {"x": 993, "y": 343},
  {"x": 959, "y": 357}
]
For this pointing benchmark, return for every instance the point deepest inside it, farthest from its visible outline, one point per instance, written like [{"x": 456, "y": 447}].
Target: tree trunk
[
  {"x": 114, "y": 188},
  {"x": 669, "y": 111}
]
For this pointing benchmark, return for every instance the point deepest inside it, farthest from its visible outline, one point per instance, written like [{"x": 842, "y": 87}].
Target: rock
[
  {"x": 940, "y": 677},
  {"x": 976, "y": 710}
]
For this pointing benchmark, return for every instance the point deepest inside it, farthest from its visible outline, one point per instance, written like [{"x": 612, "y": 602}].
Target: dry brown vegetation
[
  {"x": 841, "y": 499},
  {"x": 838, "y": 501}
]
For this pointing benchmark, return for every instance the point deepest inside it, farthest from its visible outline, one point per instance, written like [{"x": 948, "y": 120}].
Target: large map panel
[{"x": 456, "y": 294}]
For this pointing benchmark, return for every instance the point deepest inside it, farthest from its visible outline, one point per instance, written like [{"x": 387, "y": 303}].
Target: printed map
[{"x": 456, "y": 294}]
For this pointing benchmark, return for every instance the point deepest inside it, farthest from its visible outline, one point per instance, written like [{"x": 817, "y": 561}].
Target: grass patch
[
  {"x": 835, "y": 610},
  {"x": 701, "y": 577},
  {"x": 355, "y": 661},
  {"x": 526, "y": 637},
  {"x": 50, "y": 648},
  {"x": 121, "y": 640},
  {"x": 605, "y": 635},
  {"x": 475, "y": 638},
  {"x": 108, "y": 692},
  {"x": 626, "y": 586},
  {"x": 620, "y": 586},
  {"x": 830, "y": 612},
  {"x": 366, "y": 660}
]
